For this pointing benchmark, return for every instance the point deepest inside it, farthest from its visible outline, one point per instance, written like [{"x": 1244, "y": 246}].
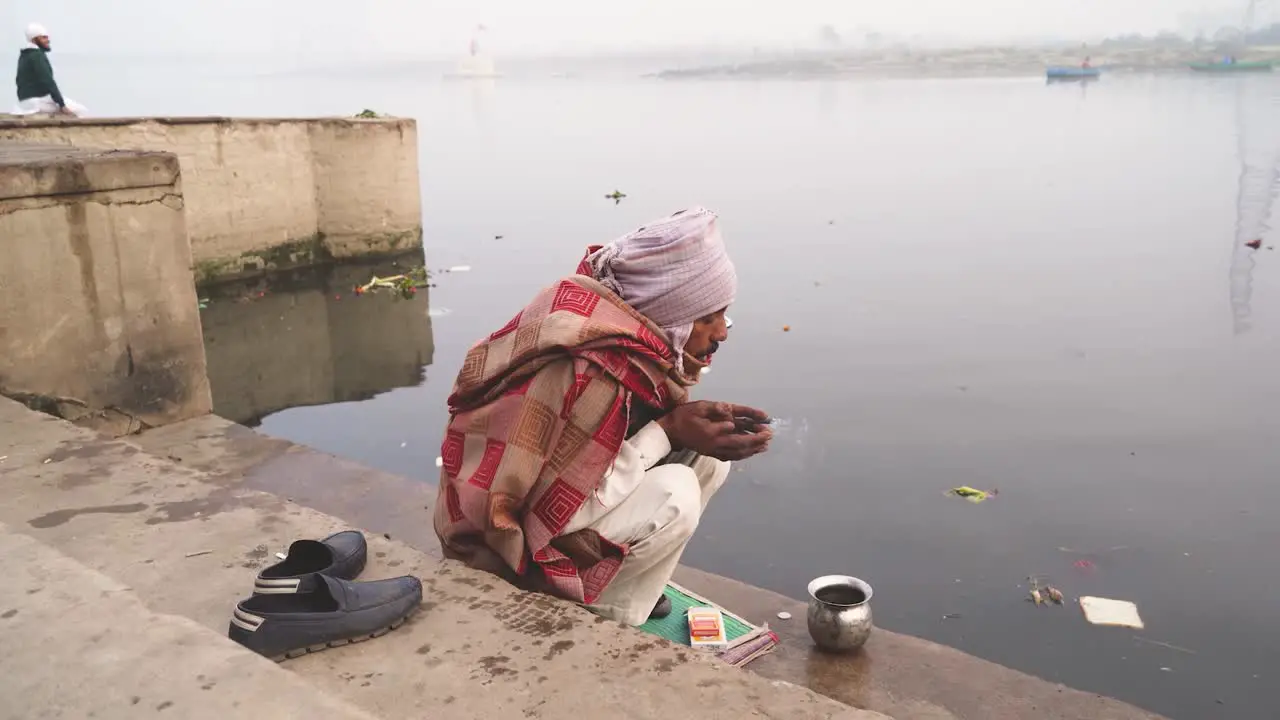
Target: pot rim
[{"x": 827, "y": 581}]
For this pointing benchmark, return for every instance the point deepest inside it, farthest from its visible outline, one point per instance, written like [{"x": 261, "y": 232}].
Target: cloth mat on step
[{"x": 746, "y": 641}]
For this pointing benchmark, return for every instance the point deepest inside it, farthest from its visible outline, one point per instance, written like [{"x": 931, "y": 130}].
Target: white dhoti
[
  {"x": 46, "y": 105},
  {"x": 652, "y": 508}
]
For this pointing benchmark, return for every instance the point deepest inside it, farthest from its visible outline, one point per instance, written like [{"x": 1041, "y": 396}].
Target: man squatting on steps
[{"x": 574, "y": 462}]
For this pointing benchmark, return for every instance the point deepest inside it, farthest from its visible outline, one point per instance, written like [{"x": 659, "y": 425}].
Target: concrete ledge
[
  {"x": 94, "y": 253},
  {"x": 51, "y": 170},
  {"x": 7, "y": 121},
  {"x": 265, "y": 194}
]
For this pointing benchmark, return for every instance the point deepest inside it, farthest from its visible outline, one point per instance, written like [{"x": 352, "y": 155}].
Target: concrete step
[
  {"x": 897, "y": 675},
  {"x": 477, "y": 648},
  {"x": 79, "y": 644}
]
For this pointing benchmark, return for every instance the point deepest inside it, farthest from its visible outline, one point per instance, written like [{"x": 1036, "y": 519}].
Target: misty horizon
[{"x": 400, "y": 28}]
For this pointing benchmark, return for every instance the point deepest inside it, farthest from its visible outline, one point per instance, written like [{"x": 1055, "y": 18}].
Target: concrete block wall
[
  {"x": 367, "y": 191},
  {"x": 99, "y": 307},
  {"x": 271, "y": 193}
]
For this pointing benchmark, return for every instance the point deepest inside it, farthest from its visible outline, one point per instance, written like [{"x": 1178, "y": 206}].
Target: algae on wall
[
  {"x": 297, "y": 253},
  {"x": 318, "y": 249}
]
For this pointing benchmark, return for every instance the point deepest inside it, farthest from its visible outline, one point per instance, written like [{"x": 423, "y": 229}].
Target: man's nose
[{"x": 723, "y": 334}]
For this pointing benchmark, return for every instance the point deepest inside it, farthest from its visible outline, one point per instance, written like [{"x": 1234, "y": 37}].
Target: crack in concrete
[{"x": 173, "y": 201}]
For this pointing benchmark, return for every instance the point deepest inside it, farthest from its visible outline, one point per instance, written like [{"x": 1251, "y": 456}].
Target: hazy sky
[{"x": 436, "y": 26}]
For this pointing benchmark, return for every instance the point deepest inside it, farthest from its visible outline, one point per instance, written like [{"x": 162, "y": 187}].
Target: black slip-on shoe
[
  {"x": 335, "y": 613},
  {"x": 341, "y": 555},
  {"x": 661, "y": 609}
]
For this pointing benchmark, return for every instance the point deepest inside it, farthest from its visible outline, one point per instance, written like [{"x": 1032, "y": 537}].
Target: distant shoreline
[{"x": 984, "y": 62}]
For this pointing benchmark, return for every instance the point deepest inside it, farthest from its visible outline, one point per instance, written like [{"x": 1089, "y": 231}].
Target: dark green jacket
[{"x": 35, "y": 76}]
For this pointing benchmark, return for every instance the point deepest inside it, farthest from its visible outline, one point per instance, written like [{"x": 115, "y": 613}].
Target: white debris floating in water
[
  {"x": 1103, "y": 611},
  {"x": 459, "y": 268}
]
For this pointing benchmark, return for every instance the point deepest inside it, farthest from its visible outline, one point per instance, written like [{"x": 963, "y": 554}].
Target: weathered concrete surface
[
  {"x": 94, "y": 265},
  {"x": 476, "y": 649},
  {"x": 897, "y": 675},
  {"x": 904, "y": 676},
  {"x": 235, "y": 456},
  {"x": 309, "y": 341},
  {"x": 271, "y": 193},
  {"x": 78, "y": 644}
]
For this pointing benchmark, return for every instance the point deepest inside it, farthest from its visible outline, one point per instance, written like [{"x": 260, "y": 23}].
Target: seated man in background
[
  {"x": 37, "y": 90},
  {"x": 574, "y": 461}
]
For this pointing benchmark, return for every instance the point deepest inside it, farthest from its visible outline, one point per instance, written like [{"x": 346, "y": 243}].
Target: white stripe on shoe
[
  {"x": 276, "y": 585},
  {"x": 246, "y": 620}
]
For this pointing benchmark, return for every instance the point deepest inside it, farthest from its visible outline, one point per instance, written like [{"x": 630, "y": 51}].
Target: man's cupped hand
[{"x": 720, "y": 430}]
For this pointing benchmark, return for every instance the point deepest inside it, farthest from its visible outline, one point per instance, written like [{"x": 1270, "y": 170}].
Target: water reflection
[
  {"x": 481, "y": 91},
  {"x": 303, "y": 338},
  {"x": 1257, "y": 117}
]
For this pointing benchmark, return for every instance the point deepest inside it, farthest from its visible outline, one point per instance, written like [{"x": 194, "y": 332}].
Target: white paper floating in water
[
  {"x": 439, "y": 462},
  {"x": 784, "y": 615},
  {"x": 282, "y": 556},
  {"x": 438, "y": 312},
  {"x": 459, "y": 268},
  {"x": 1119, "y": 613}
]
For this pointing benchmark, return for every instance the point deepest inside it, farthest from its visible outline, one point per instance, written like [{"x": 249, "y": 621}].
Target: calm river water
[{"x": 991, "y": 282}]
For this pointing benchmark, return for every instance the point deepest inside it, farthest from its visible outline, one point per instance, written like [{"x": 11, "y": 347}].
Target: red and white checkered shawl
[{"x": 538, "y": 414}]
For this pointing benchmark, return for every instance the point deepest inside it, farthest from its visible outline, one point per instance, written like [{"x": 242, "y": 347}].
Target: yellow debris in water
[{"x": 971, "y": 494}]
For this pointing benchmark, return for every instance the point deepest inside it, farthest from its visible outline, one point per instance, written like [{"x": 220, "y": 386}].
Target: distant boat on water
[
  {"x": 1233, "y": 66},
  {"x": 1229, "y": 63},
  {"x": 1069, "y": 72}
]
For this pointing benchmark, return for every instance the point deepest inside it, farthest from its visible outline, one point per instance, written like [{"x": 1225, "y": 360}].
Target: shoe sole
[{"x": 339, "y": 643}]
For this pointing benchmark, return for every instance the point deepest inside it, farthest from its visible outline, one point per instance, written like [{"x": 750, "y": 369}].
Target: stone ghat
[{"x": 267, "y": 194}]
